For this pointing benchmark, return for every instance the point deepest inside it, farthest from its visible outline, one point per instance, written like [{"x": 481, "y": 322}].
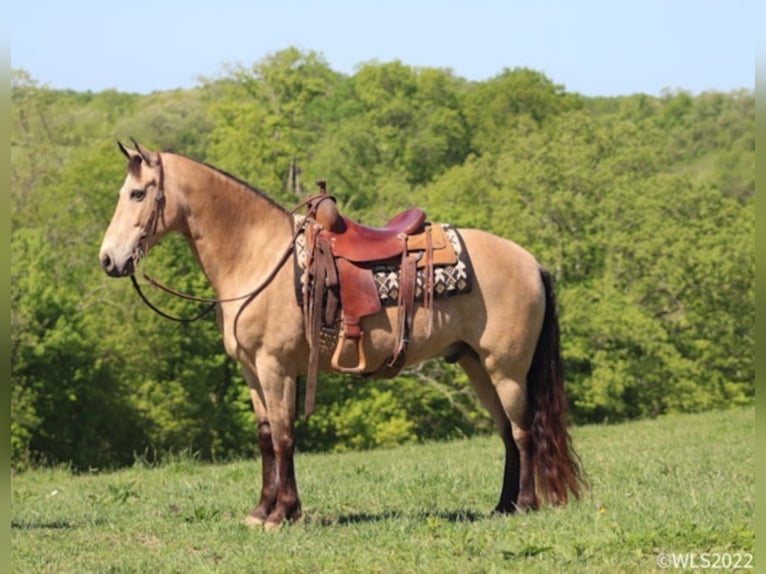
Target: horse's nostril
[{"x": 106, "y": 262}]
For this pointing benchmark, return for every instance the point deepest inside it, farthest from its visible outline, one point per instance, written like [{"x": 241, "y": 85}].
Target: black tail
[{"x": 557, "y": 466}]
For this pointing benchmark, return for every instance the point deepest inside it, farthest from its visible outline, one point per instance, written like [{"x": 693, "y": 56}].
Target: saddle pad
[{"x": 449, "y": 280}]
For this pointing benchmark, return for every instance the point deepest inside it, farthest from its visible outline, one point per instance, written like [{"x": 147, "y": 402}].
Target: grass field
[{"x": 679, "y": 484}]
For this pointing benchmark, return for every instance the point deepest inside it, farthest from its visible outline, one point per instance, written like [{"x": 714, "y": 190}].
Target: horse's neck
[{"x": 236, "y": 234}]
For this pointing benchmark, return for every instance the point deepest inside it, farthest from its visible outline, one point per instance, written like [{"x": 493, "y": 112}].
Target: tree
[{"x": 270, "y": 117}]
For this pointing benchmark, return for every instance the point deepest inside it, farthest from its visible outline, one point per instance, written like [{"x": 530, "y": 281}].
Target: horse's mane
[{"x": 234, "y": 178}]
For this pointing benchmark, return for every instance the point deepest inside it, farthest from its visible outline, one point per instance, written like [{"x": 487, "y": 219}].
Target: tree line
[{"x": 642, "y": 207}]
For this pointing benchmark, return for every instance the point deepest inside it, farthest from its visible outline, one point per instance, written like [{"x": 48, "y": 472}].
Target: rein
[
  {"x": 248, "y": 297},
  {"x": 161, "y": 313}
]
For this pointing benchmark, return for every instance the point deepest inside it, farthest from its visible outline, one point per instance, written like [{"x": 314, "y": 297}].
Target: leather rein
[{"x": 151, "y": 229}]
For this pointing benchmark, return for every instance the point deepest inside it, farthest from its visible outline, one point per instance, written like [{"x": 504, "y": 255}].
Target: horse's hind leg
[
  {"x": 487, "y": 394},
  {"x": 270, "y": 479},
  {"x": 512, "y": 393}
]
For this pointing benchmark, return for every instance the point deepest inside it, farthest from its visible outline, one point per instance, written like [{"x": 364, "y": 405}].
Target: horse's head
[{"x": 141, "y": 216}]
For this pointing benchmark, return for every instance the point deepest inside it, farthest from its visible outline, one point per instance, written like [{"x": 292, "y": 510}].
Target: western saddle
[{"x": 339, "y": 288}]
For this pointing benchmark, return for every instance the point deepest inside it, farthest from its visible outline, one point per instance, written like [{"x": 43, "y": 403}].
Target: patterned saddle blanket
[{"x": 449, "y": 280}]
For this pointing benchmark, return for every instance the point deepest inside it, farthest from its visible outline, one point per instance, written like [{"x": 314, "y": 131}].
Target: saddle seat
[{"x": 362, "y": 244}]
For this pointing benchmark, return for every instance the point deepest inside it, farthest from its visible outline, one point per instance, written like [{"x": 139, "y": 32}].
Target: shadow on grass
[
  {"x": 53, "y": 525},
  {"x": 456, "y": 516}
]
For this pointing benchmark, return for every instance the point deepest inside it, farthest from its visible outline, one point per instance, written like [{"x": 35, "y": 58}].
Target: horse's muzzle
[{"x": 114, "y": 270}]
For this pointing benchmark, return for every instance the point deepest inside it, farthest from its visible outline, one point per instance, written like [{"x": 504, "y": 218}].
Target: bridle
[{"x": 151, "y": 229}]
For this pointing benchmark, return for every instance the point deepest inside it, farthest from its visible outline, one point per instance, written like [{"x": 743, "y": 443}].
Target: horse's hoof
[
  {"x": 526, "y": 504},
  {"x": 272, "y": 526},
  {"x": 253, "y": 521},
  {"x": 296, "y": 520}
]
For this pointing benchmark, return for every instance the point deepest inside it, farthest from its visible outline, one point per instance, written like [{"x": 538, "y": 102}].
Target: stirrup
[{"x": 361, "y": 366}]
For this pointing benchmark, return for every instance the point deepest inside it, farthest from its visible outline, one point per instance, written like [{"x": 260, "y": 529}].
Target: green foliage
[
  {"x": 68, "y": 405},
  {"x": 434, "y": 402},
  {"x": 495, "y": 105},
  {"x": 267, "y": 119},
  {"x": 642, "y": 208}
]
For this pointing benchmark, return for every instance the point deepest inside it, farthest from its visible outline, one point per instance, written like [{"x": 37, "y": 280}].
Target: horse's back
[{"x": 503, "y": 264}]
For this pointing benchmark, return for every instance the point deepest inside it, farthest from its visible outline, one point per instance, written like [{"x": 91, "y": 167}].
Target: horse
[{"x": 504, "y": 333}]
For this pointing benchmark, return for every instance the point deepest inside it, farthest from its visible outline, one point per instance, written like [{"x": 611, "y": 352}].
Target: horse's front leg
[
  {"x": 280, "y": 392},
  {"x": 270, "y": 478},
  {"x": 288, "y": 506}
]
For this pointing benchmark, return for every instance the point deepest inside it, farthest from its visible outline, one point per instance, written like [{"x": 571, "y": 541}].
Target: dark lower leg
[
  {"x": 527, "y": 499},
  {"x": 510, "y": 491},
  {"x": 270, "y": 479},
  {"x": 288, "y": 504}
]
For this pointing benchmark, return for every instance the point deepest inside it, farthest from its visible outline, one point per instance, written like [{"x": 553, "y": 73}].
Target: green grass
[{"x": 682, "y": 483}]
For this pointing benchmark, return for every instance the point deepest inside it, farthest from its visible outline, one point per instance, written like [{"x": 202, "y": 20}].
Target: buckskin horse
[{"x": 504, "y": 332}]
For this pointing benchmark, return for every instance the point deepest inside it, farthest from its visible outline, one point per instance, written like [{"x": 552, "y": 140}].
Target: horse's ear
[
  {"x": 123, "y": 149},
  {"x": 134, "y": 159},
  {"x": 150, "y": 157}
]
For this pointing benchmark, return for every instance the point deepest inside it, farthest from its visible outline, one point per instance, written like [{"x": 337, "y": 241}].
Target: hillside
[{"x": 680, "y": 484}]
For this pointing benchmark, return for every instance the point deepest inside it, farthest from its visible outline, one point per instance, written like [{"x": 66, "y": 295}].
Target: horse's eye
[{"x": 138, "y": 194}]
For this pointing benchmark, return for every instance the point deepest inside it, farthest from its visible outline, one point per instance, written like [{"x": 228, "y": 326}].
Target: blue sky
[{"x": 592, "y": 47}]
